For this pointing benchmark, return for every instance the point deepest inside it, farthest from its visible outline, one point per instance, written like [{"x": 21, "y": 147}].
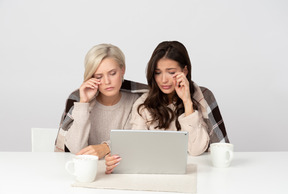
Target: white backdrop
[{"x": 238, "y": 50}]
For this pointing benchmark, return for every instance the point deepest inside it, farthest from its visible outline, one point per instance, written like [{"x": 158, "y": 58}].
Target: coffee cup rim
[
  {"x": 87, "y": 156},
  {"x": 222, "y": 143}
]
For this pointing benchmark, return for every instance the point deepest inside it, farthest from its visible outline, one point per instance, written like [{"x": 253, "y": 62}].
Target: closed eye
[
  {"x": 113, "y": 73},
  {"x": 98, "y": 77}
]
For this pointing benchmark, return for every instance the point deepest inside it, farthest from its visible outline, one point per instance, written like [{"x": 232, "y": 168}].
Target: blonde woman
[{"x": 103, "y": 102}]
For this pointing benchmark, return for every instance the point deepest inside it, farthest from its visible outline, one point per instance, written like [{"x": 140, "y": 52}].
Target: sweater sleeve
[
  {"x": 77, "y": 136},
  {"x": 198, "y": 137}
]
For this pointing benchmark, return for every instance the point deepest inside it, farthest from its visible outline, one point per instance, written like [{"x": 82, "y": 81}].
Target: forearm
[
  {"x": 77, "y": 136},
  {"x": 198, "y": 137},
  {"x": 188, "y": 106}
]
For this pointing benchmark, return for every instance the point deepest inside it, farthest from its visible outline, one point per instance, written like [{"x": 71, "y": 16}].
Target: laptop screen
[{"x": 150, "y": 151}]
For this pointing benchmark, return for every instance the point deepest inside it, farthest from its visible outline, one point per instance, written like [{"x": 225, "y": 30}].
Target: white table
[{"x": 250, "y": 172}]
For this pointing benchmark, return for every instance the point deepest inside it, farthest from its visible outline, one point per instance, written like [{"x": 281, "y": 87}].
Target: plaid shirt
[{"x": 216, "y": 127}]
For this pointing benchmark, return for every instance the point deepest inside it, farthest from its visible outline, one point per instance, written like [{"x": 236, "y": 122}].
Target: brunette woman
[{"x": 175, "y": 102}]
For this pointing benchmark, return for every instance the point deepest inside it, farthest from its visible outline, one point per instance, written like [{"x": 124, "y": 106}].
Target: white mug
[
  {"x": 221, "y": 154},
  {"x": 83, "y": 167}
]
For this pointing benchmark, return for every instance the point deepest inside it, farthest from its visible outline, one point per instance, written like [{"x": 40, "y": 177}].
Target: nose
[
  {"x": 106, "y": 80},
  {"x": 164, "y": 78}
]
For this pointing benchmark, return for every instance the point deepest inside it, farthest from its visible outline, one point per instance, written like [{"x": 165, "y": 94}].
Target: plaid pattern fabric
[{"x": 216, "y": 127}]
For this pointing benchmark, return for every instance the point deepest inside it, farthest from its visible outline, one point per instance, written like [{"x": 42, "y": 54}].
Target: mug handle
[
  {"x": 231, "y": 155},
  {"x": 68, "y": 167}
]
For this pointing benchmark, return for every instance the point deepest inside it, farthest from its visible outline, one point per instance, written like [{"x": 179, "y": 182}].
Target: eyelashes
[
  {"x": 158, "y": 73},
  {"x": 100, "y": 76}
]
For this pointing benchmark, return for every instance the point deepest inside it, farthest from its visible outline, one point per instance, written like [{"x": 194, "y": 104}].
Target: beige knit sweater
[
  {"x": 194, "y": 123},
  {"x": 94, "y": 121}
]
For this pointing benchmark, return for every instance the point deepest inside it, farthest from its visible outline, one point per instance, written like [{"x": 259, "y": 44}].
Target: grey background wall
[{"x": 238, "y": 50}]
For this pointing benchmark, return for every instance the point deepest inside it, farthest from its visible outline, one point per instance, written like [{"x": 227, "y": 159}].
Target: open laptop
[{"x": 150, "y": 151}]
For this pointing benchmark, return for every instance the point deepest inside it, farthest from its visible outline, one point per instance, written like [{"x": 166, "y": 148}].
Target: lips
[
  {"x": 109, "y": 89},
  {"x": 166, "y": 87}
]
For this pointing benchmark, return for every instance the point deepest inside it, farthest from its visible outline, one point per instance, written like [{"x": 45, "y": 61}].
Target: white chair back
[{"x": 43, "y": 139}]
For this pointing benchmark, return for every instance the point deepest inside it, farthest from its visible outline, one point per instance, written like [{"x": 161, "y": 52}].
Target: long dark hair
[{"x": 157, "y": 101}]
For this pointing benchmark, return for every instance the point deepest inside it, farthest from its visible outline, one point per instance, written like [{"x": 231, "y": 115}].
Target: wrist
[
  {"x": 188, "y": 103},
  {"x": 106, "y": 148},
  {"x": 83, "y": 101},
  {"x": 188, "y": 106}
]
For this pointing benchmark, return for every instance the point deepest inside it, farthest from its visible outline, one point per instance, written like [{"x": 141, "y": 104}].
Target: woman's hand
[
  {"x": 182, "y": 87},
  {"x": 111, "y": 162},
  {"x": 98, "y": 150},
  {"x": 88, "y": 90},
  {"x": 183, "y": 91}
]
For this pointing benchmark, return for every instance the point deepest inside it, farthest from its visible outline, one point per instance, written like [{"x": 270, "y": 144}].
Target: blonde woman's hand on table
[{"x": 97, "y": 150}]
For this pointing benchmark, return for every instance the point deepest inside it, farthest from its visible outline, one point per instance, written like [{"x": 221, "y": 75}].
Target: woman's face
[
  {"x": 110, "y": 75},
  {"x": 163, "y": 74}
]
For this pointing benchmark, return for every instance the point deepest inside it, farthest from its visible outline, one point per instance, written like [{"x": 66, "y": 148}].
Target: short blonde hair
[{"x": 99, "y": 52}]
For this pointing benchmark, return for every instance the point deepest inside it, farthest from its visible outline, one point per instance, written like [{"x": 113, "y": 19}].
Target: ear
[
  {"x": 185, "y": 70},
  {"x": 123, "y": 71}
]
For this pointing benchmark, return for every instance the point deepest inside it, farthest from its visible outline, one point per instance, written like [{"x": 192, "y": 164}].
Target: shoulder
[
  {"x": 129, "y": 99},
  {"x": 201, "y": 91},
  {"x": 143, "y": 97},
  {"x": 208, "y": 95},
  {"x": 140, "y": 100},
  {"x": 134, "y": 87},
  {"x": 139, "y": 110},
  {"x": 73, "y": 97},
  {"x": 127, "y": 96}
]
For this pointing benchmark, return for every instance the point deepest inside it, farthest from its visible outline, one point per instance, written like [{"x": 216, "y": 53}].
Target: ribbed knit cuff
[
  {"x": 192, "y": 120},
  {"x": 78, "y": 106}
]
